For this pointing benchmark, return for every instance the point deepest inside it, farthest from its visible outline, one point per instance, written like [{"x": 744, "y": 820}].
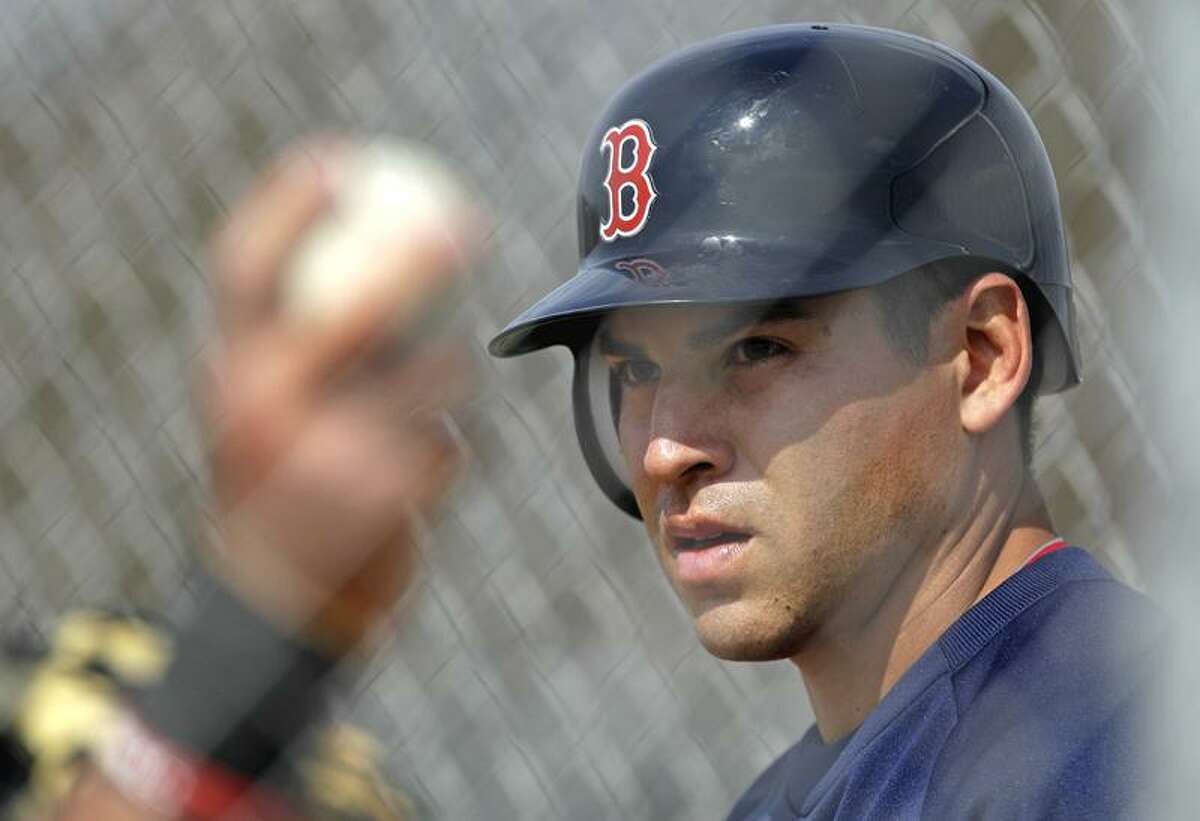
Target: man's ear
[{"x": 997, "y": 350}]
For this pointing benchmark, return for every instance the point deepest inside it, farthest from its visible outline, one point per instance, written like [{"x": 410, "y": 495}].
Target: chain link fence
[{"x": 543, "y": 668}]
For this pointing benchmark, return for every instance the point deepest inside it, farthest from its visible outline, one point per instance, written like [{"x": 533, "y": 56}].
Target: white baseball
[{"x": 392, "y": 194}]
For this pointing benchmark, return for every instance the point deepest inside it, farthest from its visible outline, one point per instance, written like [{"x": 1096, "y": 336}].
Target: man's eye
[
  {"x": 755, "y": 349},
  {"x": 634, "y": 372}
]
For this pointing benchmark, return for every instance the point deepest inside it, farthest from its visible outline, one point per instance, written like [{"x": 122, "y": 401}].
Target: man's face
[{"x": 786, "y": 466}]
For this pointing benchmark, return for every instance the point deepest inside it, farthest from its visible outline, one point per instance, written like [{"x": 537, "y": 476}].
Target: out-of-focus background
[{"x": 544, "y": 669}]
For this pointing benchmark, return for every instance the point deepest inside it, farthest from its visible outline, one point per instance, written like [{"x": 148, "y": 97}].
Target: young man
[{"x": 823, "y": 275}]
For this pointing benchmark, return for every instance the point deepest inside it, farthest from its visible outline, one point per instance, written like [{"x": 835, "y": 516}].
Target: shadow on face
[{"x": 797, "y": 425}]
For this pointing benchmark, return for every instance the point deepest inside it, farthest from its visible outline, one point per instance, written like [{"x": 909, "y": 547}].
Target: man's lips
[
  {"x": 682, "y": 543},
  {"x": 704, "y": 550},
  {"x": 698, "y": 533}
]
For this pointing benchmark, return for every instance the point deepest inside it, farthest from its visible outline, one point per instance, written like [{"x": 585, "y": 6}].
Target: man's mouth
[
  {"x": 696, "y": 531},
  {"x": 682, "y": 543},
  {"x": 705, "y": 551}
]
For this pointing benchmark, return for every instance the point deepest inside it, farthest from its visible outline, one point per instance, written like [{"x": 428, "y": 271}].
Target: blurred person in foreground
[{"x": 823, "y": 277}]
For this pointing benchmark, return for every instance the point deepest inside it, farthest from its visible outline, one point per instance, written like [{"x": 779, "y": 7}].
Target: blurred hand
[{"x": 321, "y": 457}]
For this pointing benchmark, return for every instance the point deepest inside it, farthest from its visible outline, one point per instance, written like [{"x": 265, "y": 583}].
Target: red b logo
[{"x": 634, "y": 177}]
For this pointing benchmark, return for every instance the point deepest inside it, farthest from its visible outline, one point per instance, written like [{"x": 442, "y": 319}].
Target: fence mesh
[{"x": 544, "y": 668}]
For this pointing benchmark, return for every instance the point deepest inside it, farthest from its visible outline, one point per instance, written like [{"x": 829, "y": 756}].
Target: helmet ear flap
[
  {"x": 1055, "y": 363},
  {"x": 595, "y": 398}
]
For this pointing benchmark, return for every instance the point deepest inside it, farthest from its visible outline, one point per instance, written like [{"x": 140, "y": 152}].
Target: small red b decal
[{"x": 624, "y": 222}]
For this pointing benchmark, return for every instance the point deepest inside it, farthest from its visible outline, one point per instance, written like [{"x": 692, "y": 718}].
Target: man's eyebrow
[
  {"x": 741, "y": 317},
  {"x": 611, "y": 346}
]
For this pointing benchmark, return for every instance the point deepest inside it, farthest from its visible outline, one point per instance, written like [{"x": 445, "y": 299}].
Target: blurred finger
[
  {"x": 440, "y": 464},
  {"x": 265, "y": 227},
  {"x": 424, "y": 383},
  {"x": 413, "y": 466}
]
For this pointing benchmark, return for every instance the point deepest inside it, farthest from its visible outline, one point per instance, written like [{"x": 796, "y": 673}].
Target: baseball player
[{"x": 823, "y": 276}]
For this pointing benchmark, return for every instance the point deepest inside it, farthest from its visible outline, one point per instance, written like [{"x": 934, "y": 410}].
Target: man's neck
[{"x": 848, "y": 669}]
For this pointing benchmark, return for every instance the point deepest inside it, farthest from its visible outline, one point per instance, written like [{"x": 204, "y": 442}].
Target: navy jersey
[{"x": 1033, "y": 704}]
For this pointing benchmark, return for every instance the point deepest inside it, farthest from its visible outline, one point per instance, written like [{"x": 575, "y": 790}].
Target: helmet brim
[{"x": 724, "y": 270}]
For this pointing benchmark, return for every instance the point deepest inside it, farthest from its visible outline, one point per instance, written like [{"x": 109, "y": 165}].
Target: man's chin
[{"x": 739, "y": 636}]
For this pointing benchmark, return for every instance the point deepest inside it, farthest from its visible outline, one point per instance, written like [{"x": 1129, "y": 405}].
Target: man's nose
[{"x": 686, "y": 440}]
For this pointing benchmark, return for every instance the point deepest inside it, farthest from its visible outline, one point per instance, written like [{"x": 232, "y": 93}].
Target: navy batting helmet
[{"x": 795, "y": 161}]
